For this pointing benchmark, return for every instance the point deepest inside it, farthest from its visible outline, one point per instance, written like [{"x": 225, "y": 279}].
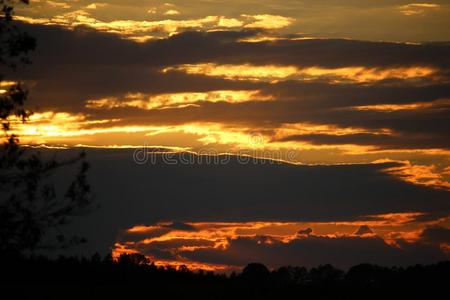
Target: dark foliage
[
  {"x": 14, "y": 43},
  {"x": 133, "y": 276},
  {"x": 30, "y": 206}
]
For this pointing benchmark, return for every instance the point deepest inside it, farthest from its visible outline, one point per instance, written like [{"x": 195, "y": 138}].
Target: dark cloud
[
  {"x": 179, "y": 226},
  {"x": 72, "y": 66},
  {"x": 311, "y": 251},
  {"x": 324, "y": 95},
  {"x": 306, "y": 231},
  {"x": 380, "y": 141},
  {"x": 86, "y": 46},
  {"x": 160, "y": 254},
  {"x": 362, "y": 230},
  {"x": 90, "y": 63},
  {"x": 131, "y": 194},
  {"x": 436, "y": 234}
]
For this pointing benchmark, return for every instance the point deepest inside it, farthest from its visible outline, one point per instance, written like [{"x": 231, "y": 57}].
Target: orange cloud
[
  {"x": 427, "y": 175},
  {"x": 178, "y": 238}
]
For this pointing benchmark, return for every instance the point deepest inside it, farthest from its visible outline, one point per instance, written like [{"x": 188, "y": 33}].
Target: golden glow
[
  {"x": 311, "y": 128},
  {"x": 268, "y": 21},
  {"x": 136, "y": 29},
  {"x": 5, "y": 85},
  {"x": 213, "y": 133},
  {"x": 55, "y": 129},
  {"x": 398, "y": 107},
  {"x": 202, "y": 137},
  {"x": 238, "y": 72},
  {"x": 215, "y": 138},
  {"x": 145, "y": 101},
  {"x": 58, "y": 4},
  {"x": 238, "y": 138},
  {"x": 229, "y": 22},
  {"x": 273, "y": 73},
  {"x": 128, "y": 28},
  {"x": 49, "y": 126},
  {"x": 287, "y": 130},
  {"x": 361, "y": 74},
  {"x": 172, "y": 12},
  {"x": 414, "y": 9},
  {"x": 96, "y": 5},
  {"x": 264, "y": 37}
]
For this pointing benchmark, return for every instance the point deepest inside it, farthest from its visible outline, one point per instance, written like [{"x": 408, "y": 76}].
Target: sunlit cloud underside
[{"x": 227, "y": 246}]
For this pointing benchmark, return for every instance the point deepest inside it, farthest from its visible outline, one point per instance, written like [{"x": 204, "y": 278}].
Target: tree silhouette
[
  {"x": 30, "y": 206},
  {"x": 134, "y": 259},
  {"x": 325, "y": 274},
  {"x": 131, "y": 276},
  {"x": 255, "y": 273}
]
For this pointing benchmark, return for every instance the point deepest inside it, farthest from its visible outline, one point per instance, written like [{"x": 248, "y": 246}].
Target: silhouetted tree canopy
[
  {"x": 133, "y": 275},
  {"x": 14, "y": 43},
  {"x": 255, "y": 272},
  {"x": 30, "y": 205}
]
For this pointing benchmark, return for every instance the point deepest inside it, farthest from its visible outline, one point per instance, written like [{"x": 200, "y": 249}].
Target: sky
[{"x": 333, "y": 118}]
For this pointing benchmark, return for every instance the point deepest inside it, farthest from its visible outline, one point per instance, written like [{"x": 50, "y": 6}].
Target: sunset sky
[{"x": 349, "y": 100}]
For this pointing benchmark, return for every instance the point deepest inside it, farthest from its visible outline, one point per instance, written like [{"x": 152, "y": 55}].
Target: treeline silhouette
[{"x": 132, "y": 276}]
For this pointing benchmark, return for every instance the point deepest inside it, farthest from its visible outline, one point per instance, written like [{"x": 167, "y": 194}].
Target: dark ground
[{"x": 131, "y": 277}]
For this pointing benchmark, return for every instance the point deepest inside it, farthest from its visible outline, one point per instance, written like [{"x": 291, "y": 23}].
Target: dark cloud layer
[
  {"x": 84, "y": 46},
  {"x": 72, "y": 66},
  {"x": 131, "y": 194},
  {"x": 424, "y": 128},
  {"x": 436, "y": 234},
  {"x": 312, "y": 251},
  {"x": 381, "y": 141}
]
